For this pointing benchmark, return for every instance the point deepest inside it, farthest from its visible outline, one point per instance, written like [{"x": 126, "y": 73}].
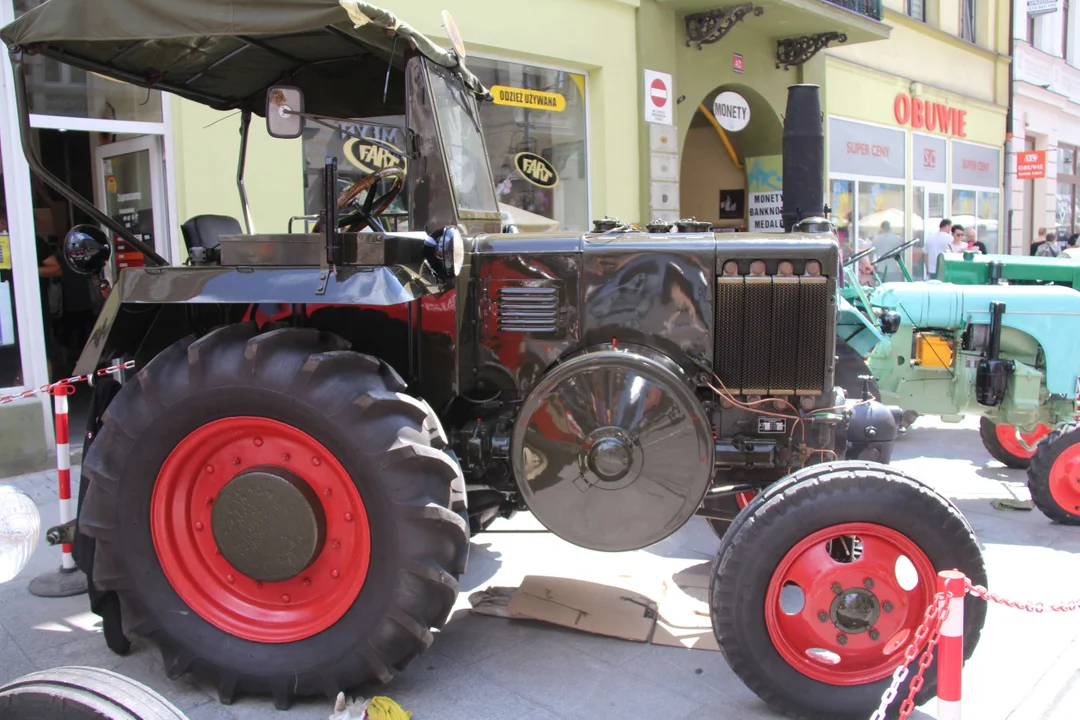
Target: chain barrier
[
  {"x": 53, "y": 388},
  {"x": 930, "y": 632}
]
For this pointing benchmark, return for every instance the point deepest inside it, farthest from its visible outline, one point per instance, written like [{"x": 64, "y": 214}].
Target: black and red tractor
[{"x": 281, "y": 494}]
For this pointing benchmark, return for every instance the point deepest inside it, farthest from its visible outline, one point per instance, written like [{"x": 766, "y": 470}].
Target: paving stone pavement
[{"x": 1026, "y": 667}]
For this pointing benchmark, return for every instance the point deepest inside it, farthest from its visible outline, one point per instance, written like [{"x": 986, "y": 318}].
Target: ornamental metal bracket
[
  {"x": 796, "y": 51},
  {"x": 706, "y": 28}
]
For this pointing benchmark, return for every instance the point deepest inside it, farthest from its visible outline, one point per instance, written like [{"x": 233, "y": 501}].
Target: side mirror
[
  {"x": 86, "y": 249},
  {"x": 283, "y": 108}
]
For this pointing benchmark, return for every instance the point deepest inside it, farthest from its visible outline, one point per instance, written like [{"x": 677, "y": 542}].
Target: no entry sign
[{"x": 658, "y": 98}]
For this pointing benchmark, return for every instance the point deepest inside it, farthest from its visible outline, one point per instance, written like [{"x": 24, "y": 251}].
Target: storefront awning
[{"x": 227, "y": 53}]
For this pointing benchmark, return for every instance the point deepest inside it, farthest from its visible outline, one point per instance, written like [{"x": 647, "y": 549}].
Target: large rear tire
[
  {"x": 1000, "y": 441},
  {"x": 301, "y": 462},
  {"x": 837, "y": 524},
  {"x": 1054, "y": 475},
  {"x": 82, "y": 693}
]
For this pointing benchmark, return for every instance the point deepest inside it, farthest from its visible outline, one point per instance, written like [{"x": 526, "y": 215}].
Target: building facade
[
  {"x": 567, "y": 90},
  {"x": 1045, "y": 121}
]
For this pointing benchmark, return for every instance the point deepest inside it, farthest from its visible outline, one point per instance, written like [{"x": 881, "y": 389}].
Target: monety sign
[
  {"x": 765, "y": 188},
  {"x": 930, "y": 116},
  {"x": 731, "y": 111}
]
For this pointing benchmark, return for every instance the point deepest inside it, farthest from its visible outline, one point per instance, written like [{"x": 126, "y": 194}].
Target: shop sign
[
  {"x": 1042, "y": 7},
  {"x": 731, "y": 111},
  {"x": 975, "y": 165},
  {"x": 860, "y": 149},
  {"x": 528, "y": 99},
  {"x": 1031, "y": 165},
  {"x": 371, "y": 155},
  {"x": 931, "y": 116},
  {"x": 765, "y": 183},
  {"x": 658, "y": 100},
  {"x": 928, "y": 158},
  {"x": 737, "y": 63},
  {"x": 536, "y": 170}
]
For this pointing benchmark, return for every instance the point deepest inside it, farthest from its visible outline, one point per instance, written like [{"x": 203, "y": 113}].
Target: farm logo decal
[
  {"x": 371, "y": 155},
  {"x": 536, "y": 170}
]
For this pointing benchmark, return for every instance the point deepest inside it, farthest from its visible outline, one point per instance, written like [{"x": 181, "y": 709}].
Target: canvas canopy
[{"x": 227, "y": 53}]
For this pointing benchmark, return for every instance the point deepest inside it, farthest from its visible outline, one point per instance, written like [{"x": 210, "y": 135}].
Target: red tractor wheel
[
  {"x": 275, "y": 513},
  {"x": 1000, "y": 441},
  {"x": 1054, "y": 475},
  {"x": 821, "y": 583}
]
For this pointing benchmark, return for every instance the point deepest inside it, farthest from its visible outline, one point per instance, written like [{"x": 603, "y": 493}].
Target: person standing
[
  {"x": 1050, "y": 247},
  {"x": 885, "y": 242},
  {"x": 935, "y": 245},
  {"x": 1071, "y": 251},
  {"x": 958, "y": 244},
  {"x": 1038, "y": 241},
  {"x": 973, "y": 242}
]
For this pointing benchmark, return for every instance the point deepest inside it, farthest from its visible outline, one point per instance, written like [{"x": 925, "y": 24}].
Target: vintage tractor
[
  {"x": 281, "y": 495},
  {"x": 997, "y": 336}
]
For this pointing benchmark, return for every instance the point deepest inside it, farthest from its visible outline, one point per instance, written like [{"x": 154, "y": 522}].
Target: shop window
[
  {"x": 540, "y": 112},
  {"x": 981, "y": 210},
  {"x": 881, "y": 222},
  {"x": 917, "y": 9},
  {"x": 57, "y": 89},
  {"x": 1068, "y": 192},
  {"x": 1065, "y": 28},
  {"x": 842, "y": 203},
  {"x": 10, "y": 358},
  {"x": 967, "y": 20}
]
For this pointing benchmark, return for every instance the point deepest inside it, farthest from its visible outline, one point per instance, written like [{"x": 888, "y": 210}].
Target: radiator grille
[
  {"x": 771, "y": 334},
  {"x": 527, "y": 309}
]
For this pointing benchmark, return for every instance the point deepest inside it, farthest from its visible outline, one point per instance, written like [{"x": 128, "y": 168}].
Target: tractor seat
[{"x": 205, "y": 231}]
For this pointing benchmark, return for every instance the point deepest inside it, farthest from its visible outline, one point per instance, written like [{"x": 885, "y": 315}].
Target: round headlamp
[
  {"x": 446, "y": 252},
  {"x": 20, "y": 527}
]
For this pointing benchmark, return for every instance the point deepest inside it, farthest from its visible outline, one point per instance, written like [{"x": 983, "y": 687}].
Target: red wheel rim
[
  {"x": 1006, "y": 436},
  {"x": 871, "y": 648},
  {"x": 743, "y": 499},
  {"x": 1065, "y": 480},
  {"x": 180, "y": 523}
]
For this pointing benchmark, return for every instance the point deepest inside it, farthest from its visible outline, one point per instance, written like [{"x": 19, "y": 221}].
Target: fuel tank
[{"x": 757, "y": 309}]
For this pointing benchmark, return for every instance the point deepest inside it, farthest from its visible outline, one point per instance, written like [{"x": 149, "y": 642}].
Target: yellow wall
[
  {"x": 706, "y": 170},
  {"x": 595, "y": 36}
]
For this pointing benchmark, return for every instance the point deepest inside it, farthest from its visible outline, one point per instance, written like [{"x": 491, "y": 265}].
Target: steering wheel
[
  {"x": 867, "y": 251},
  {"x": 858, "y": 256},
  {"x": 373, "y": 205}
]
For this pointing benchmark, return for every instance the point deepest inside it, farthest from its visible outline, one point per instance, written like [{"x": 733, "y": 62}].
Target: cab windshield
[{"x": 463, "y": 143}]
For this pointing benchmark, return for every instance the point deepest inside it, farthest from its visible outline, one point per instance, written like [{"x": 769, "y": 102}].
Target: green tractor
[{"x": 996, "y": 336}]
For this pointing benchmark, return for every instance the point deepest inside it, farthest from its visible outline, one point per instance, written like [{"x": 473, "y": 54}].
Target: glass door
[
  {"x": 131, "y": 189},
  {"x": 927, "y": 212}
]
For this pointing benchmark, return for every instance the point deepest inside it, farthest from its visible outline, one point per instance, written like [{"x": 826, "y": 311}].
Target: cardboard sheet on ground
[{"x": 673, "y": 612}]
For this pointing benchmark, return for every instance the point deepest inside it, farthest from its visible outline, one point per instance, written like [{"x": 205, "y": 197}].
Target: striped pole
[
  {"x": 63, "y": 467},
  {"x": 951, "y": 646}
]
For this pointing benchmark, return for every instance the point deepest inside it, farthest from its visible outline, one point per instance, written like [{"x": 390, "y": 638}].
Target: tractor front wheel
[
  {"x": 1000, "y": 441},
  {"x": 1054, "y": 475},
  {"x": 275, "y": 513},
  {"x": 822, "y": 581}
]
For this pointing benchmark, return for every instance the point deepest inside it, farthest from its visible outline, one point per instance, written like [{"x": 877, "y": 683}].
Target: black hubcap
[
  {"x": 855, "y": 610},
  {"x": 269, "y": 524}
]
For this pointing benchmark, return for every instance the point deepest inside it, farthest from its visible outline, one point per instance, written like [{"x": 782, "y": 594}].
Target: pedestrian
[
  {"x": 1071, "y": 250},
  {"x": 885, "y": 242},
  {"x": 935, "y": 245},
  {"x": 957, "y": 244},
  {"x": 1038, "y": 241},
  {"x": 1050, "y": 247},
  {"x": 973, "y": 243}
]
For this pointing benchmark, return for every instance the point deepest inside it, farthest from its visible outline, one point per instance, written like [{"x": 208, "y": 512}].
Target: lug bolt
[
  {"x": 209, "y": 500},
  {"x": 199, "y": 526},
  {"x": 258, "y": 442},
  {"x": 841, "y": 639},
  {"x": 874, "y": 634},
  {"x": 209, "y": 469},
  {"x": 316, "y": 461},
  {"x": 887, "y": 607},
  {"x": 836, "y": 589},
  {"x": 307, "y": 582},
  {"x": 823, "y": 616},
  {"x": 231, "y": 578},
  {"x": 236, "y": 461},
  {"x": 348, "y": 517},
  {"x": 335, "y": 574},
  {"x": 285, "y": 598},
  {"x": 286, "y": 457},
  {"x": 258, "y": 585},
  {"x": 868, "y": 584},
  {"x": 336, "y": 544},
  {"x": 327, "y": 492}
]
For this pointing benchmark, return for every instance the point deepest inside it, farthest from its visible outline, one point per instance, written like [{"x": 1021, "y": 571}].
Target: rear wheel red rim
[
  {"x": 1006, "y": 436},
  {"x": 857, "y": 635},
  {"x": 181, "y": 527},
  {"x": 1065, "y": 480}
]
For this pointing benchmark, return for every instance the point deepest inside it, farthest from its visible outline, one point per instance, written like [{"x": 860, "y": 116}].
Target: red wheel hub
[
  {"x": 1006, "y": 435},
  {"x": 327, "y": 581},
  {"x": 843, "y": 602},
  {"x": 1065, "y": 480}
]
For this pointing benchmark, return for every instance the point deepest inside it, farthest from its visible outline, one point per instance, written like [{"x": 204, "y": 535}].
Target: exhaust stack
[{"x": 804, "y": 156}]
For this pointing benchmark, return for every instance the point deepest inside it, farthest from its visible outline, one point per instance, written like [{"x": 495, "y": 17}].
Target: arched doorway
[{"x": 713, "y": 173}]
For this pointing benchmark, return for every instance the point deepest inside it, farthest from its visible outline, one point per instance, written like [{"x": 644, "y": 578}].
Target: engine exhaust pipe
[{"x": 804, "y": 156}]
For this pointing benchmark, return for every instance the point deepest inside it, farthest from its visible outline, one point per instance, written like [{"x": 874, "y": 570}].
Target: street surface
[{"x": 1027, "y": 666}]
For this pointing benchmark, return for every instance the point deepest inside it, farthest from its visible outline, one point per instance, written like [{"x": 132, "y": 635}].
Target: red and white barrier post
[
  {"x": 67, "y": 580},
  {"x": 951, "y": 646}
]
